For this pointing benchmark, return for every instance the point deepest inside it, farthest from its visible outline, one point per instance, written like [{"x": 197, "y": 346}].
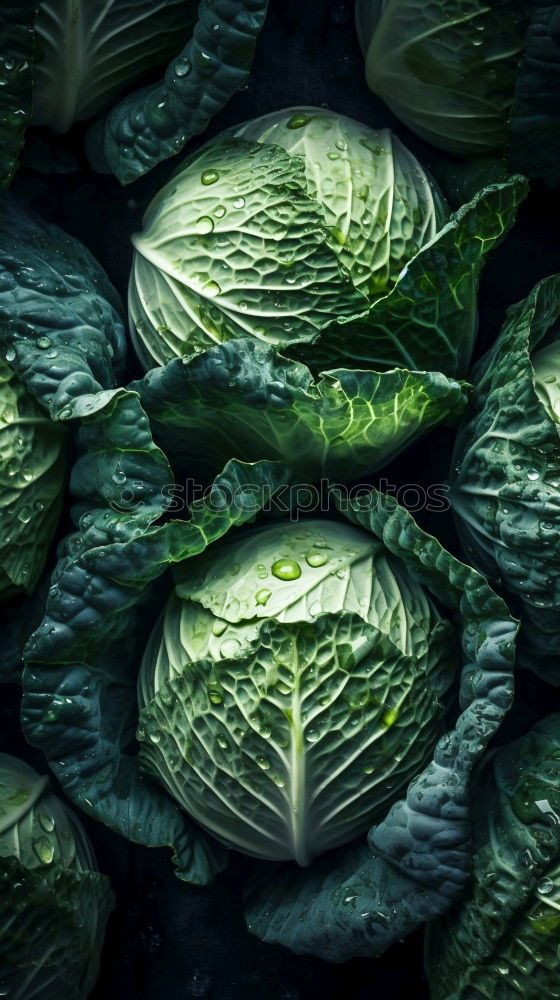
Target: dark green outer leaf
[
  {"x": 501, "y": 942},
  {"x": 535, "y": 119},
  {"x": 60, "y": 318},
  {"x": 17, "y": 18},
  {"x": 430, "y": 317},
  {"x": 155, "y": 123},
  {"x": 244, "y": 400},
  {"x": 62, "y": 333},
  {"x": 419, "y": 857},
  {"x": 51, "y": 931},
  {"x": 506, "y": 477}
]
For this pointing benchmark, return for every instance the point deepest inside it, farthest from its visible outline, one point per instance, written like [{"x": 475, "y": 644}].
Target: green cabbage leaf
[
  {"x": 472, "y": 78},
  {"x": 244, "y": 400},
  {"x": 54, "y": 905},
  {"x": 61, "y": 337},
  {"x": 505, "y": 477},
  {"x": 65, "y": 61},
  {"x": 502, "y": 940}
]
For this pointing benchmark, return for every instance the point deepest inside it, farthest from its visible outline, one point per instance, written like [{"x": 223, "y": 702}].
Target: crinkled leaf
[
  {"x": 63, "y": 339},
  {"x": 378, "y": 203},
  {"x": 154, "y": 123},
  {"x": 244, "y": 400},
  {"x": 60, "y": 323},
  {"x": 233, "y": 246},
  {"x": 359, "y": 902},
  {"x": 429, "y": 319},
  {"x": 502, "y": 941},
  {"x": 33, "y": 461},
  {"x": 371, "y": 707},
  {"x": 506, "y": 476}
]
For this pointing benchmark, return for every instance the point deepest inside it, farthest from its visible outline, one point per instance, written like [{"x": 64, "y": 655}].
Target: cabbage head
[
  {"x": 33, "y": 461},
  {"x": 309, "y": 233},
  {"x": 506, "y": 471},
  {"x": 446, "y": 69},
  {"x": 470, "y": 77},
  {"x": 294, "y": 685},
  {"x": 293, "y": 690},
  {"x": 273, "y": 232},
  {"x": 53, "y": 903}
]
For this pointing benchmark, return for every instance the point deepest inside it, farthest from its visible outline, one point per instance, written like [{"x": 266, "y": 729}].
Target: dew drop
[
  {"x": 209, "y": 176},
  {"x": 262, "y": 596},
  {"x": 390, "y": 716},
  {"x": 315, "y": 559},
  {"x": 286, "y": 569},
  {"x": 24, "y": 515},
  {"x": 298, "y": 121},
  {"x": 46, "y": 821},
  {"x": 230, "y": 648},
  {"x": 204, "y": 225},
  {"x": 44, "y": 850},
  {"x": 182, "y": 67}
]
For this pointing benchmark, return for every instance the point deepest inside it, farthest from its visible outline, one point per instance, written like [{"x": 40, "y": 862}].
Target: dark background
[{"x": 166, "y": 940}]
